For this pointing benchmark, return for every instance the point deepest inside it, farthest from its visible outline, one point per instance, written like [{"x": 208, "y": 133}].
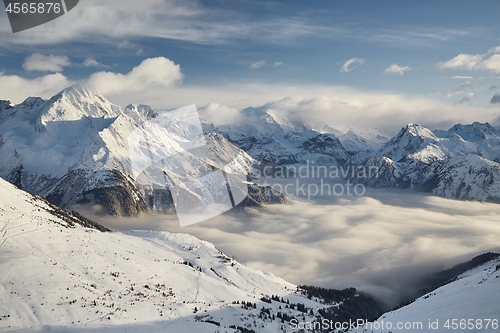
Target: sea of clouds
[{"x": 383, "y": 242}]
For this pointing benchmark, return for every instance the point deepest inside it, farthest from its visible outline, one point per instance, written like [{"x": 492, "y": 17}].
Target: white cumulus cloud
[
  {"x": 396, "y": 69},
  {"x": 350, "y": 64},
  {"x": 16, "y": 88},
  {"x": 216, "y": 113},
  {"x": 489, "y": 61},
  {"x": 43, "y": 63},
  {"x": 151, "y": 73}
]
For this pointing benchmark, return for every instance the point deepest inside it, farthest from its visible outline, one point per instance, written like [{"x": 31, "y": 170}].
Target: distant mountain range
[
  {"x": 459, "y": 163},
  {"x": 75, "y": 149},
  {"x": 270, "y": 137}
]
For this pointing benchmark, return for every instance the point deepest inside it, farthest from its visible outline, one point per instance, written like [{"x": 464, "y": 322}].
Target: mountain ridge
[
  {"x": 75, "y": 148},
  {"x": 440, "y": 162}
]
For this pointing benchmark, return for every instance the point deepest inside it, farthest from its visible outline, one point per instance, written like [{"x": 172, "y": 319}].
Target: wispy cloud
[
  {"x": 489, "y": 61},
  {"x": 258, "y": 64},
  {"x": 102, "y": 21},
  {"x": 462, "y": 77},
  {"x": 351, "y": 64},
  {"x": 46, "y": 63},
  {"x": 278, "y": 63},
  {"x": 113, "y": 21},
  {"x": 414, "y": 35},
  {"x": 467, "y": 98},
  {"x": 464, "y": 87},
  {"x": 91, "y": 62},
  {"x": 396, "y": 69}
]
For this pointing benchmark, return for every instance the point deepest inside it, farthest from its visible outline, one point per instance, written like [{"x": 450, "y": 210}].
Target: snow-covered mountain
[
  {"x": 468, "y": 304},
  {"x": 460, "y": 163},
  {"x": 79, "y": 148},
  {"x": 484, "y": 136},
  {"x": 269, "y": 137}
]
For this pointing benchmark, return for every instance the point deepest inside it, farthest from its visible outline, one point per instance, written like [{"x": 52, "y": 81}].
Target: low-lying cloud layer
[{"x": 381, "y": 243}]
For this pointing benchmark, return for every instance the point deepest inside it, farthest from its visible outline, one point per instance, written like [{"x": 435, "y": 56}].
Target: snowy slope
[
  {"x": 79, "y": 148},
  {"x": 61, "y": 276},
  {"x": 473, "y": 296}
]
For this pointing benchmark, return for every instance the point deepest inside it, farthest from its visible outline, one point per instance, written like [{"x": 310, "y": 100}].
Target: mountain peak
[
  {"x": 78, "y": 93},
  {"x": 31, "y": 102},
  {"x": 79, "y": 89},
  {"x": 418, "y": 131},
  {"x": 257, "y": 113},
  {"x": 411, "y": 139},
  {"x": 77, "y": 102}
]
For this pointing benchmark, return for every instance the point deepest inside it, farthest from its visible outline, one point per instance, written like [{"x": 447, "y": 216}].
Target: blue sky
[{"x": 227, "y": 55}]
